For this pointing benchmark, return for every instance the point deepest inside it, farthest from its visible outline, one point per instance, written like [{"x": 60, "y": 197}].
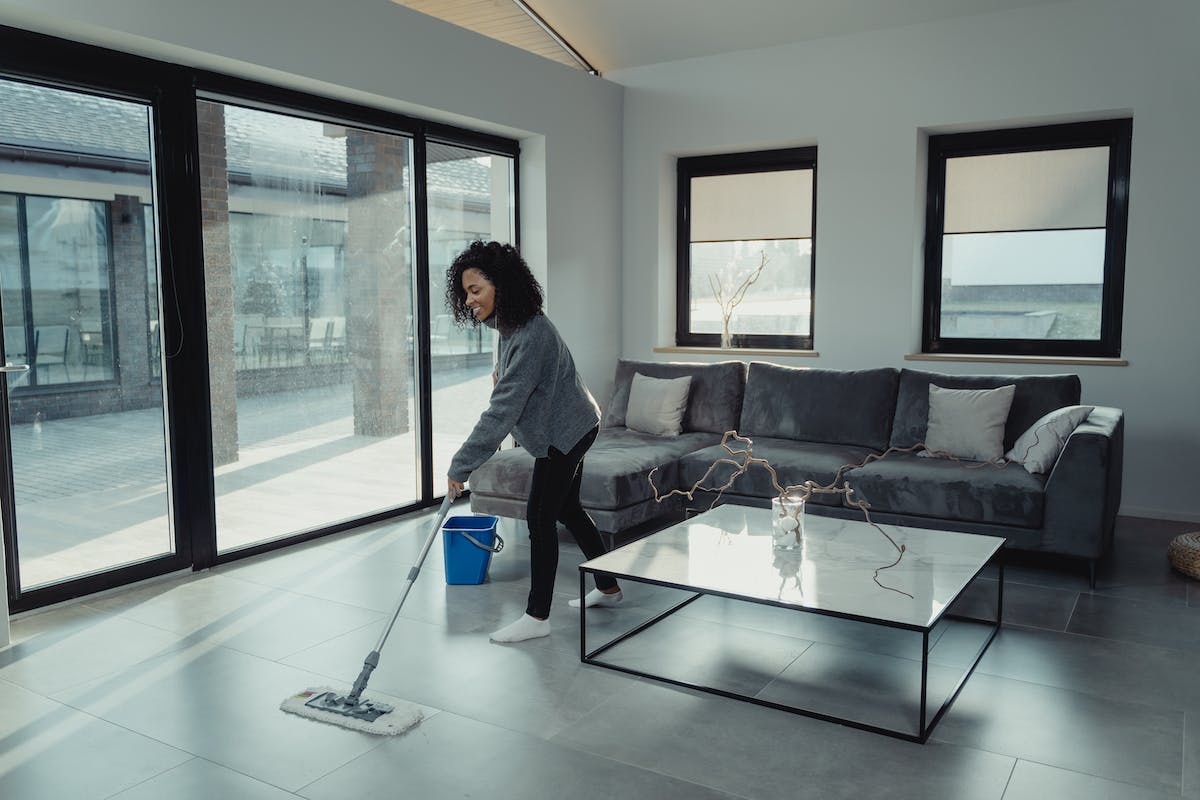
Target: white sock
[
  {"x": 526, "y": 627},
  {"x": 597, "y": 598}
]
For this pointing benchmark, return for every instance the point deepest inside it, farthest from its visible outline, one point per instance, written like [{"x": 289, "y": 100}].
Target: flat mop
[{"x": 351, "y": 711}]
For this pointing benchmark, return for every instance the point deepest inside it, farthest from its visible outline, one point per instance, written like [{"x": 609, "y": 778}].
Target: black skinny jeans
[{"x": 554, "y": 498}]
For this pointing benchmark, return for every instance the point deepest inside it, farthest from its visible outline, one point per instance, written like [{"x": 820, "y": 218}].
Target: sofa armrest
[{"x": 1083, "y": 490}]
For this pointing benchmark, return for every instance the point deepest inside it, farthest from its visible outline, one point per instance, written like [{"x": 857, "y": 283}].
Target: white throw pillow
[
  {"x": 656, "y": 405},
  {"x": 1037, "y": 448},
  {"x": 968, "y": 423}
]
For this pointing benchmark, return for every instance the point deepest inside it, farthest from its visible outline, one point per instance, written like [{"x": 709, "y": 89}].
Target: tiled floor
[{"x": 171, "y": 689}]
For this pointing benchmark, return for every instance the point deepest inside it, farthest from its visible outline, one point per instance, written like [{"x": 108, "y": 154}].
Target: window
[
  {"x": 56, "y": 279},
  {"x": 1025, "y": 240},
  {"x": 745, "y": 249},
  {"x": 284, "y": 276}
]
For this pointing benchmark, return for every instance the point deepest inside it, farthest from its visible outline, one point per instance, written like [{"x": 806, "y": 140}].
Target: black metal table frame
[{"x": 924, "y": 729}]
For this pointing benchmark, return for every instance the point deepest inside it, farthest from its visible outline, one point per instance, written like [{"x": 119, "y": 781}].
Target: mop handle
[{"x": 416, "y": 568}]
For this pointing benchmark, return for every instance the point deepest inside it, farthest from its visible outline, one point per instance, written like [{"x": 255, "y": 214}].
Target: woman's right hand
[{"x": 454, "y": 489}]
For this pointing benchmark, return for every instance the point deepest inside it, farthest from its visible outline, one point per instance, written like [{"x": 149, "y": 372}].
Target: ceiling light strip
[{"x": 553, "y": 34}]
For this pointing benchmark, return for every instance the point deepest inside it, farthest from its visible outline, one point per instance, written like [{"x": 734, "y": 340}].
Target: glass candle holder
[{"x": 787, "y": 522}]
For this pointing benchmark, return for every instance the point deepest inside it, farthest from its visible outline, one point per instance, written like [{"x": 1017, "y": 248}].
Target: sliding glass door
[
  {"x": 471, "y": 197},
  {"x": 308, "y": 262},
  {"x": 222, "y": 314},
  {"x": 85, "y": 487}
]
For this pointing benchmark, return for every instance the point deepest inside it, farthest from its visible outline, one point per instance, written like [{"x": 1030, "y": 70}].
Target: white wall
[{"x": 866, "y": 100}]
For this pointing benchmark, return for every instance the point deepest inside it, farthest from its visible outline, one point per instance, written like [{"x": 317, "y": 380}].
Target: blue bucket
[{"x": 467, "y": 561}]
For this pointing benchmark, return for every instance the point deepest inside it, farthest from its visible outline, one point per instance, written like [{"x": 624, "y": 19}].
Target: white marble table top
[{"x": 729, "y": 550}]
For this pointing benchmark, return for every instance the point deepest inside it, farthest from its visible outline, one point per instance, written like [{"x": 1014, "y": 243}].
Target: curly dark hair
[{"x": 518, "y": 294}]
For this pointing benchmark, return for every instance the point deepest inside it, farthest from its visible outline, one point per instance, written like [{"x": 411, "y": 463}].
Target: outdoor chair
[
  {"x": 14, "y": 343},
  {"x": 50, "y": 345},
  {"x": 320, "y": 334}
]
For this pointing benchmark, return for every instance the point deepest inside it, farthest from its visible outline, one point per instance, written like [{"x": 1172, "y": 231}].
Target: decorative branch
[
  {"x": 727, "y": 306},
  {"x": 803, "y": 491}
]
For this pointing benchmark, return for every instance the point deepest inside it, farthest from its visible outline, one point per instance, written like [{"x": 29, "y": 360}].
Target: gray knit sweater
[{"x": 539, "y": 398}]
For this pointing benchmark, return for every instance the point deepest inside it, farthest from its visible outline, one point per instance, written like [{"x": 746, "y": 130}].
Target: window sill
[
  {"x": 1003, "y": 359},
  {"x": 738, "y": 351}
]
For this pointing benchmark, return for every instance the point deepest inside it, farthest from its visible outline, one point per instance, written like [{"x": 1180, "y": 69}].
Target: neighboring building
[{"x": 79, "y": 275}]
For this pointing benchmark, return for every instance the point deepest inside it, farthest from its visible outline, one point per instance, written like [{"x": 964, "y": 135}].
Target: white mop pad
[{"x": 402, "y": 716}]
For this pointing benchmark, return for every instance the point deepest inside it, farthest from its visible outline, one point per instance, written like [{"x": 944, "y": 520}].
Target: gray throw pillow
[
  {"x": 1037, "y": 448},
  {"x": 968, "y": 423},
  {"x": 657, "y": 405}
]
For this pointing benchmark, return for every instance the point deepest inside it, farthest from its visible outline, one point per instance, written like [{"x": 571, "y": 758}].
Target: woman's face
[{"x": 481, "y": 293}]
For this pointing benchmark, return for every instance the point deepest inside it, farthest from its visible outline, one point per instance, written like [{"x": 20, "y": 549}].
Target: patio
[{"x": 91, "y": 492}]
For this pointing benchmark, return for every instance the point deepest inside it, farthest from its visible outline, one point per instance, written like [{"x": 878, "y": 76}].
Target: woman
[{"x": 538, "y": 397}]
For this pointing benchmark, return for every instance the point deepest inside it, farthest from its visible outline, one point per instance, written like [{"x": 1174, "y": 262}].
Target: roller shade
[
  {"x": 1042, "y": 190},
  {"x": 751, "y": 206}
]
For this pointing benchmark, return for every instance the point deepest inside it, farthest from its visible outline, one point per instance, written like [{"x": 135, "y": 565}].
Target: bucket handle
[{"x": 495, "y": 548}]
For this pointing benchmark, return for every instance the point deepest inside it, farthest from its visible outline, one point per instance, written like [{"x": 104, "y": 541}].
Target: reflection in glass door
[
  {"x": 78, "y": 297},
  {"x": 308, "y": 266},
  {"x": 471, "y": 198}
]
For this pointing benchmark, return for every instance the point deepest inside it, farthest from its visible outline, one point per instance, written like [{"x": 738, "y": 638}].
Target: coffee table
[{"x": 728, "y": 552}]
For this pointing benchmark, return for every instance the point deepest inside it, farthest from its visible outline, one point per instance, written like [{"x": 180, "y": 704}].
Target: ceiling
[{"x": 619, "y": 34}]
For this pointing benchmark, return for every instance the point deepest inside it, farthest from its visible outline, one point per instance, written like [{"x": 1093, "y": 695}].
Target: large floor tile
[
  {"x": 1172, "y": 626},
  {"x": 810, "y": 627},
  {"x": 362, "y": 578},
  {"x": 182, "y": 605},
  {"x": 71, "y": 645},
  {"x": 203, "y": 780},
  {"x": 762, "y": 753},
  {"x": 1123, "y": 742},
  {"x": 868, "y": 688},
  {"x": 49, "y": 751},
  {"x": 452, "y": 756},
  {"x": 523, "y": 686},
  {"x": 1138, "y": 569},
  {"x": 703, "y": 653},
  {"x": 376, "y": 585},
  {"x": 1023, "y": 604},
  {"x": 1116, "y": 670},
  {"x": 239, "y": 614},
  {"x": 224, "y": 706},
  {"x": 641, "y": 603},
  {"x": 1038, "y": 782}
]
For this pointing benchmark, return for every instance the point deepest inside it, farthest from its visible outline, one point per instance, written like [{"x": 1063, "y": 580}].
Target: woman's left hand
[{"x": 455, "y": 488}]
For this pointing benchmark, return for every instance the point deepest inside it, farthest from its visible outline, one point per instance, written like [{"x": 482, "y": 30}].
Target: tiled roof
[{"x": 258, "y": 142}]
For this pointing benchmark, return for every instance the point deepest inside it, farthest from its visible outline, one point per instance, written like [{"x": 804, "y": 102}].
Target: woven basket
[{"x": 1184, "y": 553}]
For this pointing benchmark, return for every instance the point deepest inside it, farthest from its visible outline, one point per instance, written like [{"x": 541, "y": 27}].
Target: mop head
[{"x": 325, "y": 705}]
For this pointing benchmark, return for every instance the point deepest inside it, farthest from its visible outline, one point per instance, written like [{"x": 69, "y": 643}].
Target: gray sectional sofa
[{"x": 808, "y": 423}]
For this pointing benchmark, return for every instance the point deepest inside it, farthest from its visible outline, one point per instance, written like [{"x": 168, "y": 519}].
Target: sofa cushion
[
  {"x": 1035, "y": 396},
  {"x": 614, "y": 469},
  {"x": 1037, "y": 448},
  {"x": 794, "y": 463},
  {"x": 967, "y": 423},
  {"x": 903, "y": 483},
  {"x": 820, "y": 405},
  {"x": 656, "y": 405},
  {"x": 714, "y": 399}
]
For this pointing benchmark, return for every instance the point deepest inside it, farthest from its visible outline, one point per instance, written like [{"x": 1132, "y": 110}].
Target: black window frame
[
  {"x": 172, "y": 91},
  {"x": 1116, "y": 134},
  {"x": 689, "y": 167}
]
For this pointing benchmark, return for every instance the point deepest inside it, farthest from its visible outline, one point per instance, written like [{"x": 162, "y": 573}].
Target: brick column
[
  {"x": 133, "y": 324},
  {"x": 218, "y": 281},
  {"x": 378, "y": 281}
]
